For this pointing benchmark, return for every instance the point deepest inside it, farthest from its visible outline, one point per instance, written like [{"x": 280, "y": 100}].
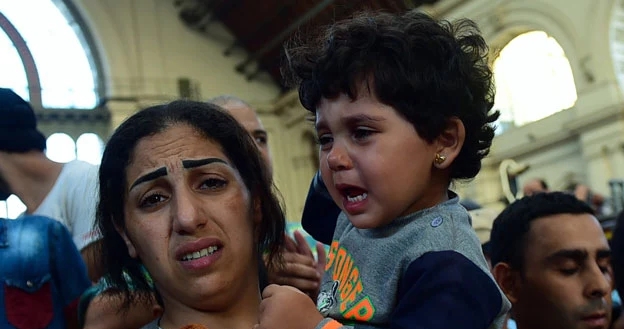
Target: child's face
[{"x": 374, "y": 163}]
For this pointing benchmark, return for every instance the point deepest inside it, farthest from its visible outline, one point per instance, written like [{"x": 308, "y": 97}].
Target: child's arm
[
  {"x": 288, "y": 308},
  {"x": 446, "y": 290}
]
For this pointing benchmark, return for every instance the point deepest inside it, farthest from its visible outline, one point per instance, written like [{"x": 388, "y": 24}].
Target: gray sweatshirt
[{"x": 422, "y": 271}]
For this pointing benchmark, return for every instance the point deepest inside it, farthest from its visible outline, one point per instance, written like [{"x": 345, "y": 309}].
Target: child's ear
[
  {"x": 449, "y": 143},
  {"x": 131, "y": 249},
  {"x": 508, "y": 280}
]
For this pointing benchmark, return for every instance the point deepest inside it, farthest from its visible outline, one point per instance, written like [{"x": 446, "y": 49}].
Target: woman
[{"x": 184, "y": 193}]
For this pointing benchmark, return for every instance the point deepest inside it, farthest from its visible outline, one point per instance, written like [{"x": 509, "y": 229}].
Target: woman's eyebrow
[
  {"x": 188, "y": 164},
  {"x": 150, "y": 176}
]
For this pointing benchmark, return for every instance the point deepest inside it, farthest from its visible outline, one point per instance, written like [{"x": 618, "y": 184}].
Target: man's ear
[
  {"x": 450, "y": 142},
  {"x": 131, "y": 249},
  {"x": 508, "y": 280}
]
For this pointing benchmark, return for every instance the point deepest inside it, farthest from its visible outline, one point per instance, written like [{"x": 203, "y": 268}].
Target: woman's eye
[
  {"x": 262, "y": 140},
  {"x": 152, "y": 200},
  {"x": 213, "y": 184}
]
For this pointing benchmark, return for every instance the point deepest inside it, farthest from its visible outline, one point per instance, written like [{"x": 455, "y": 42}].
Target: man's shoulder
[
  {"x": 78, "y": 176},
  {"x": 78, "y": 167}
]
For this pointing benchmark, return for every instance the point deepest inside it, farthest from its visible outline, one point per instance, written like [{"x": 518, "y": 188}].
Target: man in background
[
  {"x": 552, "y": 261},
  {"x": 65, "y": 192},
  {"x": 536, "y": 185}
]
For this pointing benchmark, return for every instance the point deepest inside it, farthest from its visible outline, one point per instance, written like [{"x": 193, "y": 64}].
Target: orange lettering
[
  {"x": 332, "y": 254},
  {"x": 362, "y": 311},
  {"x": 340, "y": 258},
  {"x": 344, "y": 272},
  {"x": 351, "y": 297},
  {"x": 351, "y": 281}
]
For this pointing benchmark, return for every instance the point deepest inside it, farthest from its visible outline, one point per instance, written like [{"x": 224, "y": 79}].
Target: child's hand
[
  {"x": 300, "y": 270},
  {"x": 288, "y": 308}
]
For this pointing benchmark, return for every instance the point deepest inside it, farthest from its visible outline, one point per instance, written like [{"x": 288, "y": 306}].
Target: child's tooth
[
  {"x": 196, "y": 254},
  {"x": 203, "y": 252}
]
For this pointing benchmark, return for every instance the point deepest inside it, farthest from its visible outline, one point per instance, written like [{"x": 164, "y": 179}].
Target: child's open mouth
[
  {"x": 353, "y": 194},
  {"x": 356, "y": 197}
]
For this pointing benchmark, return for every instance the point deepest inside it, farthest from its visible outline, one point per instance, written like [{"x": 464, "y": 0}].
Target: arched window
[
  {"x": 46, "y": 57},
  {"x": 12, "y": 208},
  {"x": 13, "y": 75},
  {"x": 89, "y": 148},
  {"x": 60, "y": 148},
  {"x": 533, "y": 80},
  {"x": 51, "y": 58}
]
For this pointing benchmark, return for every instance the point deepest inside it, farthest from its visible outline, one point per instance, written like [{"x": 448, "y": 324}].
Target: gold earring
[{"x": 439, "y": 158}]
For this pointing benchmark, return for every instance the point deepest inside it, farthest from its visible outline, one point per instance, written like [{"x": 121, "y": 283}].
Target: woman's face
[{"x": 190, "y": 220}]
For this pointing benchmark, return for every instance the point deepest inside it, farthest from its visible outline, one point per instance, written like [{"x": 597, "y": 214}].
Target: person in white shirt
[{"x": 65, "y": 192}]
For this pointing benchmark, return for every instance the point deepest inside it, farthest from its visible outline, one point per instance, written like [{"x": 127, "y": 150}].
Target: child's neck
[{"x": 433, "y": 196}]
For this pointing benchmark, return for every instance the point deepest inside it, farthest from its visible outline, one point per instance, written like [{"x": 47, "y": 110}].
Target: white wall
[
  {"x": 293, "y": 151},
  {"x": 146, "y": 48},
  {"x": 582, "y": 143}
]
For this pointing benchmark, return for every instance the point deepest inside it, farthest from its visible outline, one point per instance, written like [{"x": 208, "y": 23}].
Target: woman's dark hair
[
  {"x": 214, "y": 124},
  {"x": 510, "y": 229},
  {"x": 428, "y": 71}
]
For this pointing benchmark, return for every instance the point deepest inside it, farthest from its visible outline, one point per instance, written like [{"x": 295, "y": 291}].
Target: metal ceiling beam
[
  {"x": 30, "y": 67},
  {"x": 262, "y": 26},
  {"x": 284, "y": 34}
]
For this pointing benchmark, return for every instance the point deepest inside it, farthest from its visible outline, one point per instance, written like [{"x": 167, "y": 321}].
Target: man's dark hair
[
  {"x": 429, "y": 71},
  {"x": 511, "y": 227},
  {"x": 18, "y": 127},
  {"x": 617, "y": 253}
]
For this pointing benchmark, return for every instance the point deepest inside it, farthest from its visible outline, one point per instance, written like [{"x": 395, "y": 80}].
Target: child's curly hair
[{"x": 428, "y": 70}]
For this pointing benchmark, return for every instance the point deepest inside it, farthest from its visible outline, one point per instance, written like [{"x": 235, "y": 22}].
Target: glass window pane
[
  {"x": 533, "y": 79},
  {"x": 13, "y": 75},
  {"x": 67, "y": 79},
  {"x": 60, "y": 148},
  {"x": 12, "y": 207},
  {"x": 15, "y": 207},
  {"x": 89, "y": 148}
]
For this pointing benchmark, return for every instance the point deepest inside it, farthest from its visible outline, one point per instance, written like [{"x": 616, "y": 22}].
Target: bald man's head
[
  {"x": 535, "y": 186},
  {"x": 248, "y": 118}
]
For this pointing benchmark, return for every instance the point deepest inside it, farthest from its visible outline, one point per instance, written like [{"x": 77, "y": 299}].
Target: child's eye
[
  {"x": 152, "y": 200},
  {"x": 213, "y": 184},
  {"x": 362, "y": 133},
  {"x": 325, "y": 140}
]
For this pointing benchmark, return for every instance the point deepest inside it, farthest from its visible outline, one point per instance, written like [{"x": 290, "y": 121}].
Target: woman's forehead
[{"x": 172, "y": 146}]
